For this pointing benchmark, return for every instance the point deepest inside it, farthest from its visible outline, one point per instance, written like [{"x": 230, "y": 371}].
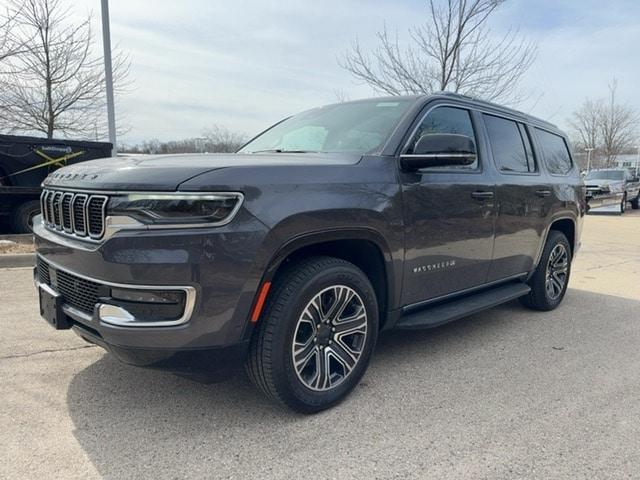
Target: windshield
[
  {"x": 355, "y": 127},
  {"x": 606, "y": 175}
]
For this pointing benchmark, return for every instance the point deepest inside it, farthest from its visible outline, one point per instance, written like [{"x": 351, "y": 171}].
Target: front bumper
[
  {"x": 606, "y": 199},
  {"x": 215, "y": 267}
]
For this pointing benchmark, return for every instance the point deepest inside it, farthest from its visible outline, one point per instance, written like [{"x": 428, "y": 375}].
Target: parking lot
[{"x": 507, "y": 393}]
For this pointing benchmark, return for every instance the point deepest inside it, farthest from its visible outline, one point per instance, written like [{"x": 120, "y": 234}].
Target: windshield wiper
[{"x": 280, "y": 150}]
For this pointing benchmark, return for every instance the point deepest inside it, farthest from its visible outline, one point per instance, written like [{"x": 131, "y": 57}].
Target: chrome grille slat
[
  {"x": 57, "y": 210},
  {"x": 65, "y": 206},
  {"x": 77, "y": 214}
]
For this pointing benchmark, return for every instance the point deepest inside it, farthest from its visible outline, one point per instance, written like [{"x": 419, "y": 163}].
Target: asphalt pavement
[{"x": 507, "y": 393}]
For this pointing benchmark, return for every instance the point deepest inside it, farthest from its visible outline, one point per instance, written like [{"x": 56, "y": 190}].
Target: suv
[{"x": 293, "y": 254}]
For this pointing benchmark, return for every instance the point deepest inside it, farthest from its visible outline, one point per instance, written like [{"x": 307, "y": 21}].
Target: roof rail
[{"x": 493, "y": 105}]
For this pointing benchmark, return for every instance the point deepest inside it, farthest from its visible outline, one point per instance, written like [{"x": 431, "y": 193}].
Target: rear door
[
  {"x": 448, "y": 215},
  {"x": 523, "y": 197}
]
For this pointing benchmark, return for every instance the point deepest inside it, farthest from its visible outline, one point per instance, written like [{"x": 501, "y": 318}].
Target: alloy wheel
[
  {"x": 557, "y": 271},
  {"x": 329, "y": 338}
]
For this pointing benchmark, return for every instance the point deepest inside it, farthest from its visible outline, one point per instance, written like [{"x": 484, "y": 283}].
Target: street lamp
[
  {"x": 108, "y": 75},
  {"x": 589, "y": 150}
]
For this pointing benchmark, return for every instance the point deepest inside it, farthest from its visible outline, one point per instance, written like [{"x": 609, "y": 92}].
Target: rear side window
[
  {"x": 510, "y": 145},
  {"x": 555, "y": 152}
]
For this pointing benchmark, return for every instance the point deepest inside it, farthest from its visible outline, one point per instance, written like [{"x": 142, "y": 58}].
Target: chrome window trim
[{"x": 189, "y": 303}]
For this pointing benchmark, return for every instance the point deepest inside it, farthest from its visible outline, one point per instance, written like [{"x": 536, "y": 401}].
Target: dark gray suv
[{"x": 293, "y": 254}]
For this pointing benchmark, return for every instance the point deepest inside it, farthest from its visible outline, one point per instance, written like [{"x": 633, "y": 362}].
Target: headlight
[{"x": 179, "y": 208}]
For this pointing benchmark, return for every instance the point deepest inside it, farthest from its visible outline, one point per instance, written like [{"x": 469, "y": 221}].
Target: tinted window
[
  {"x": 510, "y": 145},
  {"x": 555, "y": 152},
  {"x": 446, "y": 120}
]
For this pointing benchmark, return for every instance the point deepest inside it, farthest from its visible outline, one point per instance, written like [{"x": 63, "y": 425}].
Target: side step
[{"x": 461, "y": 307}]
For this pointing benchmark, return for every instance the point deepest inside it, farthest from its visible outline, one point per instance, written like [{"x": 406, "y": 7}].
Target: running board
[{"x": 461, "y": 307}]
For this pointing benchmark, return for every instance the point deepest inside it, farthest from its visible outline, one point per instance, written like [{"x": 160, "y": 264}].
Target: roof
[
  {"x": 524, "y": 117},
  {"x": 494, "y": 106}
]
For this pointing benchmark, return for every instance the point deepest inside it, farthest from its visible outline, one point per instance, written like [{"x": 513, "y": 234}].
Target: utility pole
[
  {"x": 108, "y": 75},
  {"x": 638, "y": 161},
  {"x": 589, "y": 150}
]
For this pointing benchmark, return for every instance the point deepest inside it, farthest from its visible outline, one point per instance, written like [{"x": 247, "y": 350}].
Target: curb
[
  {"x": 18, "y": 260},
  {"x": 25, "y": 238}
]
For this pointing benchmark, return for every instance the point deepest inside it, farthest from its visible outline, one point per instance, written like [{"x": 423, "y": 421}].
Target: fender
[{"x": 307, "y": 239}]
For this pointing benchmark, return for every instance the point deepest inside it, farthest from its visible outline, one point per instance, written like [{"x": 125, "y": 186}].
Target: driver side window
[{"x": 446, "y": 120}]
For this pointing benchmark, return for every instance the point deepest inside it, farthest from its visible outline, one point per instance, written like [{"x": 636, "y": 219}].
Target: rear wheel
[
  {"x": 549, "y": 282},
  {"x": 316, "y": 335},
  {"x": 635, "y": 203}
]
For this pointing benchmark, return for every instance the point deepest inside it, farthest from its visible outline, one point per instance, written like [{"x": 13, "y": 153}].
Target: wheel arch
[
  {"x": 363, "y": 247},
  {"x": 567, "y": 226}
]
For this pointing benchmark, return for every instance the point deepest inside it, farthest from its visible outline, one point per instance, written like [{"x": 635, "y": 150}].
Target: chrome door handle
[
  {"x": 482, "y": 195},
  {"x": 543, "y": 193}
]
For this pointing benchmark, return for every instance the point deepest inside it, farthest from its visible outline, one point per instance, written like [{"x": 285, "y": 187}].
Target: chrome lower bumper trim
[{"x": 123, "y": 320}]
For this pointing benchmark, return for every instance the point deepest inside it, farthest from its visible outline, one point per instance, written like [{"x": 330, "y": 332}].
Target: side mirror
[{"x": 440, "y": 150}]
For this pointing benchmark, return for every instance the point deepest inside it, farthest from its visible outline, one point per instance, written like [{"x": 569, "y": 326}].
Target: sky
[{"x": 245, "y": 64}]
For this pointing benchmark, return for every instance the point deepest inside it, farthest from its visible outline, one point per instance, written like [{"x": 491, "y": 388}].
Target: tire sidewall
[
  {"x": 286, "y": 379},
  {"x": 21, "y": 216},
  {"x": 555, "y": 239}
]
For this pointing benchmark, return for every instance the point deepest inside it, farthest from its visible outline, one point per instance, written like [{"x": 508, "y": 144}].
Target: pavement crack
[{"x": 40, "y": 352}]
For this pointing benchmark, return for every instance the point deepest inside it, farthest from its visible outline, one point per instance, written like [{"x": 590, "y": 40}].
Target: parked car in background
[
  {"x": 24, "y": 164},
  {"x": 292, "y": 255},
  {"x": 612, "y": 187}
]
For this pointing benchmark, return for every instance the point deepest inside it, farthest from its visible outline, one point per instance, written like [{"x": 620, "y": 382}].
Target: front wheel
[
  {"x": 549, "y": 281},
  {"x": 316, "y": 335},
  {"x": 623, "y": 204}
]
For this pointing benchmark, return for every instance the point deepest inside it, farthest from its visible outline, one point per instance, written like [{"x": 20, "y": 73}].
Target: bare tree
[
  {"x": 454, "y": 50},
  {"x": 220, "y": 139},
  {"x": 618, "y": 124},
  {"x": 216, "y": 139},
  {"x": 586, "y": 124},
  {"x": 9, "y": 46},
  {"x": 56, "y": 85}
]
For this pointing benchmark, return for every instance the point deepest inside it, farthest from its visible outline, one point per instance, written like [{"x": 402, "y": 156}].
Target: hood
[
  {"x": 167, "y": 172},
  {"x": 602, "y": 182}
]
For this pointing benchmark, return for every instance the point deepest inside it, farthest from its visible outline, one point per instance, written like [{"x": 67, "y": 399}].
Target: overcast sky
[{"x": 245, "y": 64}]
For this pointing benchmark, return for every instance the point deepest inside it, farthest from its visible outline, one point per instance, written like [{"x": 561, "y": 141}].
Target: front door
[{"x": 449, "y": 216}]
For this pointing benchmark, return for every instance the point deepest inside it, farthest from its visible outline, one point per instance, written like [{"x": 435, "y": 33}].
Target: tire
[
  {"x": 635, "y": 203},
  {"x": 623, "y": 204},
  {"x": 541, "y": 297},
  {"x": 290, "y": 315},
  {"x": 22, "y": 217}
]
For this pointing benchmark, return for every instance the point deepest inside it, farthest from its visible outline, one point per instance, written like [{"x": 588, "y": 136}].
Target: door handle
[
  {"x": 543, "y": 193},
  {"x": 482, "y": 195}
]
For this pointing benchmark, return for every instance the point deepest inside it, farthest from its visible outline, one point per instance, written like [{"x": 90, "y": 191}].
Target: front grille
[
  {"x": 75, "y": 291},
  {"x": 78, "y": 214}
]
